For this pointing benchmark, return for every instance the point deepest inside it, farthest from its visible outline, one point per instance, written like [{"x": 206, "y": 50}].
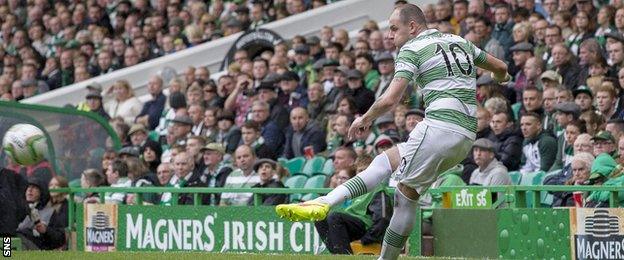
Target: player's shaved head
[{"x": 411, "y": 12}]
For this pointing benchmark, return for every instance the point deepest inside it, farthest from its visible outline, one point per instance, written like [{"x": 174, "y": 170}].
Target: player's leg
[
  {"x": 380, "y": 169},
  {"x": 433, "y": 152}
]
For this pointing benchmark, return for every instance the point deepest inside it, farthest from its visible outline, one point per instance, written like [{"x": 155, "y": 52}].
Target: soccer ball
[{"x": 25, "y": 144}]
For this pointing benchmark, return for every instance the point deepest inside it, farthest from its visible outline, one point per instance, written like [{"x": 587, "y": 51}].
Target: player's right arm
[{"x": 496, "y": 66}]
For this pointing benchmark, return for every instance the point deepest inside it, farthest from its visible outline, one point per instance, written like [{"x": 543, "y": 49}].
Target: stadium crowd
[{"x": 562, "y": 115}]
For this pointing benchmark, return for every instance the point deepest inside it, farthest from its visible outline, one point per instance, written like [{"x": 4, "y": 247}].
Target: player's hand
[
  {"x": 503, "y": 80},
  {"x": 358, "y": 127}
]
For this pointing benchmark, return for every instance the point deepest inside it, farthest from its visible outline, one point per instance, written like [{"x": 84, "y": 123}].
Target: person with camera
[
  {"x": 44, "y": 227},
  {"x": 241, "y": 98}
]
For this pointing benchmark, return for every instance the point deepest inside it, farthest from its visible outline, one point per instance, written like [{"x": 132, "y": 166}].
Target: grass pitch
[{"x": 61, "y": 255}]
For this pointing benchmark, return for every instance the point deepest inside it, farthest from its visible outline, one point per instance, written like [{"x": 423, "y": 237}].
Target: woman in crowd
[
  {"x": 124, "y": 104},
  {"x": 582, "y": 28},
  {"x": 581, "y": 166},
  {"x": 151, "y": 152}
]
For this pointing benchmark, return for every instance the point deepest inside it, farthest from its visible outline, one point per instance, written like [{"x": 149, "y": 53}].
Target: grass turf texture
[{"x": 52, "y": 255}]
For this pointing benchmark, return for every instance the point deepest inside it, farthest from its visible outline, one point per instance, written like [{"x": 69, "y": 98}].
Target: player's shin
[
  {"x": 401, "y": 225},
  {"x": 365, "y": 181}
]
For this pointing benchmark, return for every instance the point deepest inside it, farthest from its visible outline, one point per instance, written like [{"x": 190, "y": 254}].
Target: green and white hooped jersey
[{"x": 443, "y": 66}]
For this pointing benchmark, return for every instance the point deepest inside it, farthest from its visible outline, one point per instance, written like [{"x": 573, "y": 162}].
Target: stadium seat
[
  {"x": 546, "y": 198},
  {"x": 296, "y": 182},
  {"x": 516, "y": 176},
  {"x": 315, "y": 182},
  {"x": 314, "y": 166},
  {"x": 282, "y": 161},
  {"x": 328, "y": 168},
  {"x": 295, "y": 165}
]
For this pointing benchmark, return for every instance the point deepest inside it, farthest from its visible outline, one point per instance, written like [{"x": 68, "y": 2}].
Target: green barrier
[{"x": 201, "y": 228}]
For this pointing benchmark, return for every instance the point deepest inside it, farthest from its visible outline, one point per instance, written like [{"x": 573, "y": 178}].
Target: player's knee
[{"x": 408, "y": 192}]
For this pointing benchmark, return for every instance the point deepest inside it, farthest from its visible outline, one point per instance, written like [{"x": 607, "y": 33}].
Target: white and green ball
[{"x": 25, "y": 144}]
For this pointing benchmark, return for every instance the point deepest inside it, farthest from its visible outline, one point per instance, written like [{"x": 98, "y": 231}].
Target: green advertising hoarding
[{"x": 211, "y": 229}]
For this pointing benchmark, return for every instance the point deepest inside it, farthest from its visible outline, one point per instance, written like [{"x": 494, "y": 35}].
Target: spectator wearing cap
[
  {"x": 340, "y": 86},
  {"x": 267, "y": 92},
  {"x": 327, "y": 74},
  {"x": 318, "y": 107},
  {"x": 214, "y": 170},
  {"x": 138, "y": 135},
  {"x": 604, "y": 142},
  {"x": 292, "y": 94},
  {"x": 565, "y": 65},
  {"x": 551, "y": 79},
  {"x": 244, "y": 176},
  {"x": 269, "y": 171},
  {"x": 566, "y": 112},
  {"x": 302, "y": 134},
  {"x": 539, "y": 148},
  {"x": 520, "y": 53},
  {"x": 181, "y": 127},
  {"x": 229, "y": 134},
  {"x": 490, "y": 171},
  {"x": 364, "y": 63},
  {"x": 153, "y": 108},
  {"x": 364, "y": 97},
  {"x": 383, "y": 143},
  {"x": 604, "y": 172},
  {"x": 568, "y": 115},
  {"x": 583, "y": 97},
  {"x": 124, "y": 104},
  {"x": 507, "y": 141},
  {"x": 385, "y": 63},
  {"x": 316, "y": 51},
  {"x": 94, "y": 103},
  {"x": 303, "y": 65}
]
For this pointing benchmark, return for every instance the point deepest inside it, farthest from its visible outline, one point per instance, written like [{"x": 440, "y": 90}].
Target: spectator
[
  {"x": 240, "y": 100},
  {"x": 340, "y": 85},
  {"x": 229, "y": 134},
  {"x": 364, "y": 97},
  {"x": 539, "y": 149},
  {"x": 91, "y": 178},
  {"x": 196, "y": 113},
  {"x": 507, "y": 141},
  {"x": 44, "y": 228},
  {"x": 292, "y": 93},
  {"x": 615, "y": 126},
  {"x": 581, "y": 165},
  {"x": 551, "y": 79},
  {"x": 521, "y": 52},
  {"x": 604, "y": 142},
  {"x": 268, "y": 170},
  {"x": 243, "y": 177},
  {"x": 153, "y": 109},
  {"x": 271, "y": 132},
  {"x": 531, "y": 102},
  {"x": 215, "y": 170},
  {"x": 302, "y": 134},
  {"x": 15, "y": 203},
  {"x": 564, "y": 64},
  {"x": 490, "y": 171},
  {"x": 338, "y": 137},
  {"x": 364, "y": 63},
  {"x": 365, "y": 219},
  {"x": 151, "y": 152},
  {"x": 94, "y": 103},
  {"x": 551, "y": 37},
  {"x": 483, "y": 28},
  {"x": 412, "y": 118},
  {"x": 533, "y": 69},
  {"x": 604, "y": 172},
  {"x": 318, "y": 105},
  {"x": 181, "y": 127},
  {"x": 344, "y": 157},
  {"x": 606, "y": 100},
  {"x": 124, "y": 104},
  {"x": 503, "y": 26},
  {"x": 267, "y": 92},
  {"x": 117, "y": 176},
  {"x": 583, "y": 97},
  {"x": 385, "y": 62},
  {"x": 250, "y": 135}
]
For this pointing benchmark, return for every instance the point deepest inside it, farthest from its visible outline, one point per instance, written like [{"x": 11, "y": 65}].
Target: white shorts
[{"x": 428, "y": 152}]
